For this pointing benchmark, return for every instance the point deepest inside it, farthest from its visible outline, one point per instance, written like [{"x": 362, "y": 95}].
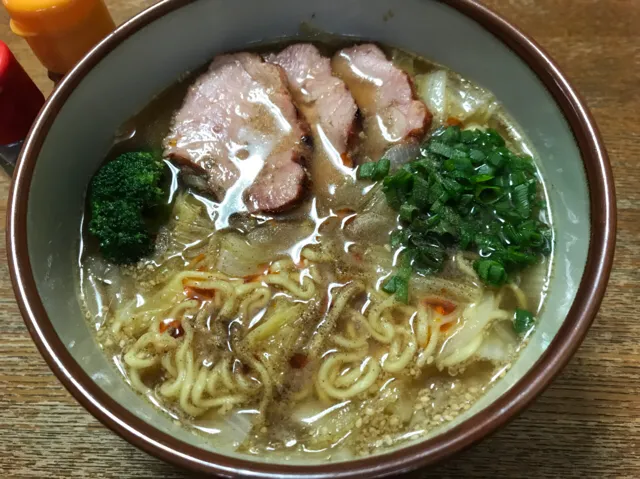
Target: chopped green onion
[
  {"x": 469, "y": 136},
  {"x": 451, "y": 135},
  {"x": 374, "y": 170},
  {"x": 496, "y": 159},
  {"x": 523, "y": 321},
  {"x": 382, "y": 169},
  {"x": 462, "y": 163},
  {"x": 491, "y": 272},
  {"x": 398, "y": 238},
  {"x": 442, "y": 149},
  {"x": 485, "y": 169},
  {"x": 481, "y": 178},
  {"x": 494, "y": 137},
  {"x": 465, "y": 191},
  {"x": 399, "y": 286},
  {"x": 487, "y": 194},
  {"x": 390, "y": 285},
  {"x": 366, "y": 170},
  {"x": 477, "y": 155},
  {"x": 397, "y": 187},
  {"x": 402, "y": 290},
  {"x": 520, "y": 198},
  {"x": 420, "y": 192},
  {"x": 408, "y": 212}
]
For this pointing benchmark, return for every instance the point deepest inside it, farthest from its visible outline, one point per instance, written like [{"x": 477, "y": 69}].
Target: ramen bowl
[{"x": 149, "y": 52}]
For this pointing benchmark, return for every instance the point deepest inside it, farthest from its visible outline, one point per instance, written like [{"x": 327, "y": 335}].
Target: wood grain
[{"x": 587, "y": 424}]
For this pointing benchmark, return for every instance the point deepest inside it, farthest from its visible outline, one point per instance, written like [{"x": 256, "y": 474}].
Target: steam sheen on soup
[{"x": 348, "y": 247}]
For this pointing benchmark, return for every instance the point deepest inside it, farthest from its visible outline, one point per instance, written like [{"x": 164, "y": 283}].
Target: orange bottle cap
[{"x": 34, "y": 17}]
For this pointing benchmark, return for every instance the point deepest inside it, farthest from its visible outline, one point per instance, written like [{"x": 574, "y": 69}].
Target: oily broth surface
[{"x": 405, "y": 406}]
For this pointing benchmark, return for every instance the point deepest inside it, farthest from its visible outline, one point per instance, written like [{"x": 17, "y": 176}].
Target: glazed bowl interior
[{"x": 152, "y": 58}]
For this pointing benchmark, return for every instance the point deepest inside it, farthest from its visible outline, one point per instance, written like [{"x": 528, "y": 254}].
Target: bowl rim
[{"x": 536, "y": 379}]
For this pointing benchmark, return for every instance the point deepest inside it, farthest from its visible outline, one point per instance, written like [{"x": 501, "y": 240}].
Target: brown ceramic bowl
[{"x": 147, "y": 54}]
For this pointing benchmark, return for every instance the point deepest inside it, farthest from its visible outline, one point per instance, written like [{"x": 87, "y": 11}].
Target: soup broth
[{"x": 272, "y": 334}]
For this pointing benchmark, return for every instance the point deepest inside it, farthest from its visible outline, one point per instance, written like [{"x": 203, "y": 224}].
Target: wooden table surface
[{"x": 586, "y": 425}]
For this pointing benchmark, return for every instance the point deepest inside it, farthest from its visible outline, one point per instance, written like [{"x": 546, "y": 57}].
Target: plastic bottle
[
  {"x": 20, "y": 102},
  {"x": 60, "y": 32}
]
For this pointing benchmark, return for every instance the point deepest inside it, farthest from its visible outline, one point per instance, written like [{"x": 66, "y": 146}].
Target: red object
[{"x": 20, "y": 99}]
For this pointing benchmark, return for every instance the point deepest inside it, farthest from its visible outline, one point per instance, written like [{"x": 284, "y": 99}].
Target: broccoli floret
[
  {"x": 134, "y": 176},
  {"x": 121, "y": 193},
  {"x": 121, "y": 230}
]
